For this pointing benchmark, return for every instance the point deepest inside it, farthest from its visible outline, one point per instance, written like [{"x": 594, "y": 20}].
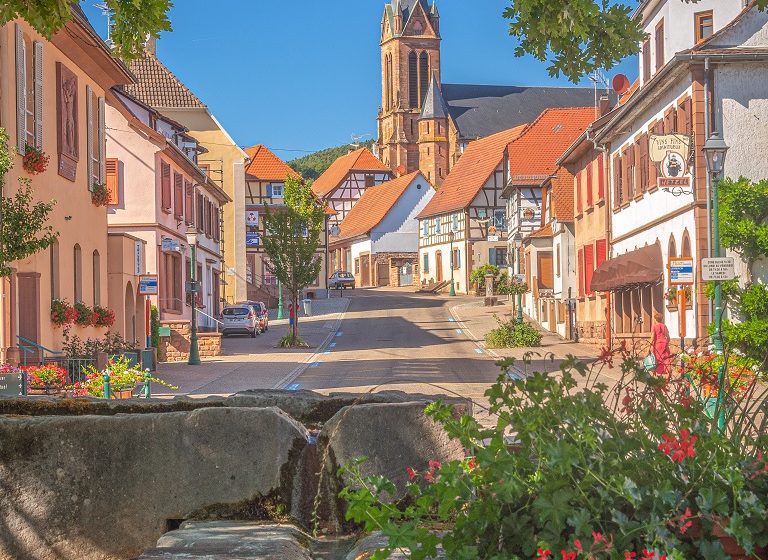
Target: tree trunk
[{"x": 295, "y": 299}]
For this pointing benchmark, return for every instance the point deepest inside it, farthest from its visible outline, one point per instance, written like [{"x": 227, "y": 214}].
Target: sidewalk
[
  {"x": 256, "y": 363},
  {"x": 477, "y": 320}
]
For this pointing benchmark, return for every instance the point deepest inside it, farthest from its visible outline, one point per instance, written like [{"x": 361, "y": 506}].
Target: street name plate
[
  {"x": 719, "y": 268},
  {"x": 10, "y": 384}
]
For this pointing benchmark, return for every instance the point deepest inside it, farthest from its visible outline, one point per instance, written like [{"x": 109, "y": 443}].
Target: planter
[
  {"x": 45, "y": 389},
  {"x": 671, "y": 307},
  {"x": 730, "y": 545},
  {"x": 119, "y": 394}
]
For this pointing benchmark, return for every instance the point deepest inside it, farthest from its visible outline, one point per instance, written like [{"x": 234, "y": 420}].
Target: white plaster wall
[
  {"x": 567, "y": 278},
  {"x": 662, "y": 232},
  {"x": 399, "y": 230},
  {"x": 358, "y": 248},
  {"x": 459, "y": 275}
]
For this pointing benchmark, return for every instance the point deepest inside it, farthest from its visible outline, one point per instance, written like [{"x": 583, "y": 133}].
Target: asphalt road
[{"x": 399, "y": 340}]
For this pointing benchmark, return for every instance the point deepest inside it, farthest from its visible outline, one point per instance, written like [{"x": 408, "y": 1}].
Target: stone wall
[
  {"x": 395, "y": 261},
  {"x": 175, "y": 348}
]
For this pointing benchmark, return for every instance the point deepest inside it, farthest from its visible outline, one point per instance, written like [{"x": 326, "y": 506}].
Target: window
[
  {"x": 357, "y": 266},
  {"x": 171, "y": 278},
  {"x": 704, "y": 25},
  {"x": 199, "y": 207},
  {"x": 216, "y": 225},
  {"x": 600, "y": 177},
  {"x": 413, "y": 80},
  {"x": 500, "y": 219},
  {"x": 113, "y": 180},
  {"x": 600, "y": 252},
  {"x": 642, "y": 149},
  {"x": 618, "y": 188},
  {"x": 207, "y": 218},
  {"x": 557, "y": 260},
  {"x": 660, "y": 45},
  {"x": 497, "y": 256},
  {"x": 579, "y": 198},
  {"x": 189, "y": 202},
  {"x": 95, "y": 142},
  {"x": 590, "y": 201},
  {"x": 55, "y": 270},
  {"x": 456, "y": 259},
  {"x": 581, "y": 272},
  {"x": 425, "y": 265},
  {"x": 423, "y": 76},
  {"x": 437, "y": 225},
  {"x": 455, "y": 222},
  {"x": 78, "y": 273},
  {"x": 686, "y": 251},
  {"x": 96, "y": 278},
  {"x": 29, "y": 92},
  {"x": 370, "y": 180},
  {"x": 671, "y": 248},
  {"x": 646, "y": 60},
  {"x": 589, "y": 268},
  {"x": 178, "y": 196},
  {"x": 165, "y": 186},
  {"x": 425, "y": 228},
  {"x": 275, "y": 190}
]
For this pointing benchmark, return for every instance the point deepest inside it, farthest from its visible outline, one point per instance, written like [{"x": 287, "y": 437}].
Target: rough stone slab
[
  {"x": 231, "y": 541},
  {"x": 103, "y": 487},
  {"x": 366, "y": 546}
]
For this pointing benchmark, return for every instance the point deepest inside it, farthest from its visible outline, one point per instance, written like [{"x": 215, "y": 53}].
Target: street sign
[
  {"x": 681, "y": 271},
  {"x": 193, "y": 287},
  {"x": 720, "y": 268},
  {"x": 11, "y": 383},
  {"x": 493, "y": 238},
  {"x": 169, "y": 245},
  {"x": 148, "y": 285},
  {"x": 252, "y": 239}
]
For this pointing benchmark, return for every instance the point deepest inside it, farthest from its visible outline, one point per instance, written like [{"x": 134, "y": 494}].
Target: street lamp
[
  {"x": 451, "y": 237},
  {"x": 518, "y": 242},
  {"x": 715, "y": 150},
  {"x": 194, "y": 352}
]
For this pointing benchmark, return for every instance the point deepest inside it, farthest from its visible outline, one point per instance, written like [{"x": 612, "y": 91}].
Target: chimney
[
  {"x": 605, "y": 105},
  {"x": 151, "y": 45}
]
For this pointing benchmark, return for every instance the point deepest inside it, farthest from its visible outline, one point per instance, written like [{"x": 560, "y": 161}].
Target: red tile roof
[
  {"x": 158, "y": 87},
  {"x": 562, "y": 196},
  {"x": 533, "y": 156},
  {"x": 546, "y": 231},
  {"x": 471, "y": 172},
  {"x": 266, "y": 166},
  {"x": 374, "y": 205},
  {"x": 359, "y": 160}
]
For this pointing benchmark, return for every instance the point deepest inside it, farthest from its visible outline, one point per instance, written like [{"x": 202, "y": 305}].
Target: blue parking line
[
  {"x": 459, "y": 331},
  {"x": 332, "y": 345},
  {"x": 478, "y": 351},
  {"x": 315, "y": 364},
  {"x": 293, "y": 387},
  {"x": 326, "y": 352},
  {"x": 339, "y": 333}
]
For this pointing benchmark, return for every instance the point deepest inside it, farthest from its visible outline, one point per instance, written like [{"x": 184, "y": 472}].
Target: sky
[{"x": 303, "y": 75}]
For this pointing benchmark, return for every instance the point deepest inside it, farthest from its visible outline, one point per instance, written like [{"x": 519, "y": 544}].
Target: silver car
[{"x": 240, "y": 319}]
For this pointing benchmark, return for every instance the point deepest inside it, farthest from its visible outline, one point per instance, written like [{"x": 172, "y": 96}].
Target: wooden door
[
  {"x": 29, "y": 313},
  {"x": 382, "y": 274},
  {"x": 439, "y": 267},
  {"x": 365, "y": 270}
]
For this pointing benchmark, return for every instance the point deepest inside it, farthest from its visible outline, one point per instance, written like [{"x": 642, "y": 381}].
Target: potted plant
[
  {"x": 672, "y": 297},
  {"x": 703, "y": 371},
  {"x": 62, "y": 313},
  {"x": 84, "y": 316},
  {"x": 123, "y": 379},
  {"x": 103, "y": 317},
  {"x": 99, "y": 194},
  {"x": 46, "y": 379},
  {"x": 35, "y": 160}
]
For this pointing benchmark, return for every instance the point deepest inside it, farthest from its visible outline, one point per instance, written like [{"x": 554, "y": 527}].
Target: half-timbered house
[
  {"x": 380, "y": 234},
  {"x": 464, "y": 225},
  {"x": 344, "y": 182},
  {"x": 543, "y": 237}
]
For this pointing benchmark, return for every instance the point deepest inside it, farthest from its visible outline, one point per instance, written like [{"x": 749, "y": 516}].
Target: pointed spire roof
[
  {"x": 434, "y": 106},
  {"x": 433, "y": 10}
]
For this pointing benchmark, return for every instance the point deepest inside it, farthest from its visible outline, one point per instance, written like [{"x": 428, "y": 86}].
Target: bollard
[
  {"x": 147, "y": 391},
  {"x": 107, "y": 394}
]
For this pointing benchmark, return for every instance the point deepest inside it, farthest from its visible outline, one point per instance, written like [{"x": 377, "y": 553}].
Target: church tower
[
  {"x": 410, "y": 61},
  {"x": 433, "y": 135}
]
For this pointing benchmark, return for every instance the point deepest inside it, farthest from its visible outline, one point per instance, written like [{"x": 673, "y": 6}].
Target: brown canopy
[{"x": 642, "y": 266}]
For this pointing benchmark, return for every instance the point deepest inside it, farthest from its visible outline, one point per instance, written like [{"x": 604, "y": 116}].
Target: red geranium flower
[{"x": 543, "y": 553}]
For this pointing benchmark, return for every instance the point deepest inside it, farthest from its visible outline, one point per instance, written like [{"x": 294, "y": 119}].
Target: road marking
[
  {"x": 314, "y": 364},
  {"x": 478, "y": 351},
  {"x": 451, "y": 320},
  {"x": 326, "y": 352},
  {"x": 332, "y": 345},
  {"x": 339, "y": 333},
  {"x": 293, "y": 387},
  {"x": 459, "y": 331}
]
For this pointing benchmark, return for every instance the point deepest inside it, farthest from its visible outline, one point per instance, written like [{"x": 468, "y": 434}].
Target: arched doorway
[{"x": 130, "y": 313}]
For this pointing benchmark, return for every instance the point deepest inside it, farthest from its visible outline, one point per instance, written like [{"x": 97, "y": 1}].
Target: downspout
[{"x": 707, "y": 126}]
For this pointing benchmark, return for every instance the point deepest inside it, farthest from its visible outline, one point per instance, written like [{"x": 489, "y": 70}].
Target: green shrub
[
  {"x": 477, "y": 276},
  {"x": 291, "y": 340},
  {"x": 155, "y": 324},
  {"x": 510, "y": 334}
]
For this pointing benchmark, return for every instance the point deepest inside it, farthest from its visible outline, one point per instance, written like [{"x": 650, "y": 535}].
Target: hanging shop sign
[
  {"x": 252, "y": 218},
  {"x": 718, "y": 269},
  {"x": 671, "y": 152},
  {"x": 681, "y": 271},
  {"x": 148, "y": 285},
  {"x": 493, "y": 238},
  {"x": 252, "y": 239},
  {"x": 170, "y": 245}
]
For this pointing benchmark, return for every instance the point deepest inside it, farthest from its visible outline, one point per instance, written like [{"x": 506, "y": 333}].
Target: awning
[{"x": 642, "y": 266}]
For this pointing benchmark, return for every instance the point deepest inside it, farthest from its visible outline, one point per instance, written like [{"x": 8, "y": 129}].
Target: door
[
  {"x": 439, "y": 266},
  {"x": 29, "y": 315},
  {"x": 365, "y": 269},
  {"x": 382, "y": 274},
  {"x": 406, "y": 275}
]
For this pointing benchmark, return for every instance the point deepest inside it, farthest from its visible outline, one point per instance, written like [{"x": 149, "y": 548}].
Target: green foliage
[
  {"x": 132, "y": 20},
  {"x": 729, "y": 290},
  {"x": 291, "y": 340},
  {"x": 313, "y": 165},
  {"x": 510, "y": 334},
  {"x": 477, "y": 276},
  {"x": 293, "y": 240},
  {"x": 155, "y": 326},
  {"x": 577, "y": 470},
  {"x": 509, "y": 285},
  {"x": 744, "y": 216},
  {"x": 112, "y": 344}
]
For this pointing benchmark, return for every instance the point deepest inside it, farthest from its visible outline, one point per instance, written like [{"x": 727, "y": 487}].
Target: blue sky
[{"x": 303, "y": 75}]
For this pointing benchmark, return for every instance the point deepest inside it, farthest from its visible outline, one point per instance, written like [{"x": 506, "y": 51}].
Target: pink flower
[
  {"x": 434, "y": 464},
  {"x": 411, "y": 473},
  {"x": 429, "y": 477}
]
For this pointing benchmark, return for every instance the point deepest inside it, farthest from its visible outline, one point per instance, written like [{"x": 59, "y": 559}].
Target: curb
[{"x": 298, "y": 370}]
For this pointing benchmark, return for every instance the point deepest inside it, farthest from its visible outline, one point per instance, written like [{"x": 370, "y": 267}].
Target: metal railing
[{"x": 30, "y": 347}]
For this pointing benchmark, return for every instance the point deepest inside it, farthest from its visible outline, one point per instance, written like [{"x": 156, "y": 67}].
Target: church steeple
[
  {"x": 434, "y": 106},
  {"x": 433, "y": 133}
]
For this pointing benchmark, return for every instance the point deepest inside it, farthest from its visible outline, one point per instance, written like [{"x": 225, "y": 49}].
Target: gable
[{"x": 750, "y": 29}]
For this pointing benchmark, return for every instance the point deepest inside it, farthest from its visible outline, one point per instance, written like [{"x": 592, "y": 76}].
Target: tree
[
  {"x": 132, "y": 20},
  {"x": 292, "y": 240},
  {"x": 577, "y": 36},
  {"x": 22, "y": 224}
]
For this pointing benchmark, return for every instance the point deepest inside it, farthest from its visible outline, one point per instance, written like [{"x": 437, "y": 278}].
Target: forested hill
[{"x": 312, "y": 165}]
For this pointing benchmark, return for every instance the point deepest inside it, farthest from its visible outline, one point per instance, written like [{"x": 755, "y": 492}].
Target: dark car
[
  {"x": 339, "y": 280},
  {"x": 261, "y": 311}
]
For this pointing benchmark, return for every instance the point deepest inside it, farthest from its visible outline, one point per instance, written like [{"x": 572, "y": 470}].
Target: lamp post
[
  {"x": 518, "y": 240},
  {"x": 451, "y": 237},
  {"x": 194, "y": 352},
  {"x": 715, "y": 150}
]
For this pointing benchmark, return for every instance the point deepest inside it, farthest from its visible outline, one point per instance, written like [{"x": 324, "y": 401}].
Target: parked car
[
  {"x": 261, "y": 312},
  {"x": 341, "y": 280},
  {"x": 240, "y": 319}
]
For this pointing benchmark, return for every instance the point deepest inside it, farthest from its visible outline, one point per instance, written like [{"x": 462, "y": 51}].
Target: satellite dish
[
  {"x": 400, "y": 169},
  {"x": 620, "y": 83}
]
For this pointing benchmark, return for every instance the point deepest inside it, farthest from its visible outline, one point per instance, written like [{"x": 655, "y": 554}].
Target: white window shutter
[
  {"x": 21, "y": 91},
  {"x": 102, "y": 142},
  {"x": 89, "y": 136},
  {"x": 38, "y": 94}
]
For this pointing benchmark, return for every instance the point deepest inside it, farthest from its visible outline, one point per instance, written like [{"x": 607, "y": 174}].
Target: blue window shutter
[
  {"x": 269, "y": 191},
  {"x": 426, "y": 263}
]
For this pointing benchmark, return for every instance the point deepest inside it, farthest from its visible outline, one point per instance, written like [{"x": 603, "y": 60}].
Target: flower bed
[
  {"x": 47, "y": 379},
  {"x": 123, "y": 379},
  {"x": 703, "y": 371}
]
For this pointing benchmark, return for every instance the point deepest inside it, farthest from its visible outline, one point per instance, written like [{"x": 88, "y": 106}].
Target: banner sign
[
  {"x": 681, "y": 271},
  {"x": 148, "y": 285},
  {"x": 660, "y": 146}
]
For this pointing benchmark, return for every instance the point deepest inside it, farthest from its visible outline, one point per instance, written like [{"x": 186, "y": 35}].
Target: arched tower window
[
  {"x": 423, "y": 75},
  {"x": 96, "y": 278},
  {"x": 78, "y": 273},
  {"x": 672, "y": 247},
  {"x": 686, "y": 252},
  {"x": 387, "y": 82},
  {"x": 55, "y": 270},
  {"x": 413, "y": 80}
]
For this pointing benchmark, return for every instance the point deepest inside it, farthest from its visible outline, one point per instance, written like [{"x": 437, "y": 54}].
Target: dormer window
[{"x": 704, "y": 25}]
